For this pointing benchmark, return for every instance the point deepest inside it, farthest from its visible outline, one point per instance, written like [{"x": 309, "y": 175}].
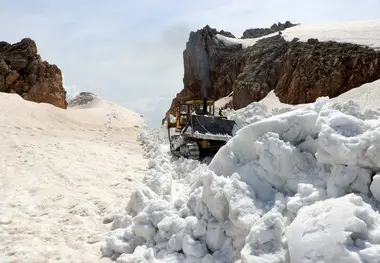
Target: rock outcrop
[
  {"x": 22, "y": 71},
  {"x": 82, "y": 98},
  {"x": 298, "y": 72},
  {"x": 259, "y": 32}
]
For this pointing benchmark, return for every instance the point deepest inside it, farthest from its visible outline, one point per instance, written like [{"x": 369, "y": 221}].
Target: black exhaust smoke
[
  {"x": 205, "y": 106},
  {"x": 197, "y": 49}
]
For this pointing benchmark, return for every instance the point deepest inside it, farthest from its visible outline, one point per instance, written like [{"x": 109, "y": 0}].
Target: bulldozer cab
[
  {"x": 183, "y": 116},
  {"x": 196, "y": 106},
  {"x": 185, "y": 110}
]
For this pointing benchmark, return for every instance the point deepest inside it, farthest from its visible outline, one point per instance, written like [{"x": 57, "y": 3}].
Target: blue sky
[{"x": 130, "y": 52}]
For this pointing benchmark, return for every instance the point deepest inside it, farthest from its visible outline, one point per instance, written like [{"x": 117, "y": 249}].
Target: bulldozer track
[
  {"x": 189, "y": 150},
  {"x": 193, "y": 150}
]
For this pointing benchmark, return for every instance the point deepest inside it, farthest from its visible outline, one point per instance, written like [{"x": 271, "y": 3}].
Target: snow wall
[{"x": 293, "y": 185}]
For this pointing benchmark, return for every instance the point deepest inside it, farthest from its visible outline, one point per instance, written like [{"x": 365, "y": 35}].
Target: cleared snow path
[{"x": 61, "y": 173}]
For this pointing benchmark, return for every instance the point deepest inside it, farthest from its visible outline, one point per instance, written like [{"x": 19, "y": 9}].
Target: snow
[
  {"x": 375, "y": 187},
  {"x": 335, "y": 230},
  {"x": 62, "y": 173},
  {"x": 229, "y": 41},
  {"x": 294, "y": 184},
  {"x": 222, "y": 102},
  {"x": 367, "y": 96},
  {"x": 364, "y": 33}
]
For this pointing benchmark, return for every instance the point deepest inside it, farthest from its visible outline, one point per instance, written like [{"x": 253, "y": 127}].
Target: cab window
[
  {"x": 196, "y": 108},
  {"x": 183, "y": 109},
  {"x": 210, "y": 109},
  {"x": 183, "y": 120}
]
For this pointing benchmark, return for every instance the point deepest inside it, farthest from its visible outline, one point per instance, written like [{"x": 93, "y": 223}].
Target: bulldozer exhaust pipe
[{"x": 204, "y": 106}]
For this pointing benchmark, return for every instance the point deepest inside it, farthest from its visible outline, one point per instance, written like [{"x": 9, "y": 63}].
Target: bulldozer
[{"x": 198, "y": 131}]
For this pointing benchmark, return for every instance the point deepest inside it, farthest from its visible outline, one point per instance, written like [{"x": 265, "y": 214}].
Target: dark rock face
[
  {"x": 259, "y": 32},
  {"x": 301, "y": 72},
  {"x": 261, "y": 73},
  {"x": 226, "y": 34},
  {"x": 209, "y": 67},
  {"x": 22, "y": 71},
  {"x": 298, "y": 72}
]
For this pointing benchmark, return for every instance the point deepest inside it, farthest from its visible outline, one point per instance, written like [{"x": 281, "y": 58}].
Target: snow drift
[
  {"x": 61, "y": 172},
  {"x": 297, "y": 184}
]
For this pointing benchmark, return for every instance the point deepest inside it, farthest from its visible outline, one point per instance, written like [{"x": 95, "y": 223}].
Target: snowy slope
[
  {"x": 293, "y": 185},
  {"x": 61, "y": 173},
  {"x": 367, "y": 96},
  {"x": 366, "y": 33}
]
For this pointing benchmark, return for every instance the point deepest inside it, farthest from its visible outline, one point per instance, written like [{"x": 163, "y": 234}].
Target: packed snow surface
[
  {"x": 61, "y": 173},
  {"x": 365, "y": 33},
  {"x": 295, "y": 184}
]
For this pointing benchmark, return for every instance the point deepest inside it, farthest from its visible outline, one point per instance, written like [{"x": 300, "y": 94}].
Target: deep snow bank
[{"x": 274, "y": 193}]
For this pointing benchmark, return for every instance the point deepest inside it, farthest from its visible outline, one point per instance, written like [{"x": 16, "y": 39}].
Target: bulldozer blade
[{"x": 212, "y": 125}]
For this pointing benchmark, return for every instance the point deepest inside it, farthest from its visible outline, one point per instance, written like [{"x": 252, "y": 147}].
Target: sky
[{"x": 130, "y": 52}]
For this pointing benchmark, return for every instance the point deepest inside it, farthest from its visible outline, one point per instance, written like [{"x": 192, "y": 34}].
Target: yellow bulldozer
[{"x": 197, "y": 131}]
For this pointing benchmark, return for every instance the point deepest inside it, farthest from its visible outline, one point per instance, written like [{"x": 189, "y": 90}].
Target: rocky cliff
[
  {"x": 22, "y": 71},
  {"x": 210, "y": 68},
  {"x": 298, "y": 72}
]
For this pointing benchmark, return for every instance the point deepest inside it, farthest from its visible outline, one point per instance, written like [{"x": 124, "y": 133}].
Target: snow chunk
[
  {"x": 265, "y": 155},
  {"x": 375, "y": 187},
  {"x": 306, "y": 195},
  {"x": 347, "y": 140},
  {"x": 264, "y": 242},
  {"x": 335, "y": 230},
  {"x": 345, "y": 179}
]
